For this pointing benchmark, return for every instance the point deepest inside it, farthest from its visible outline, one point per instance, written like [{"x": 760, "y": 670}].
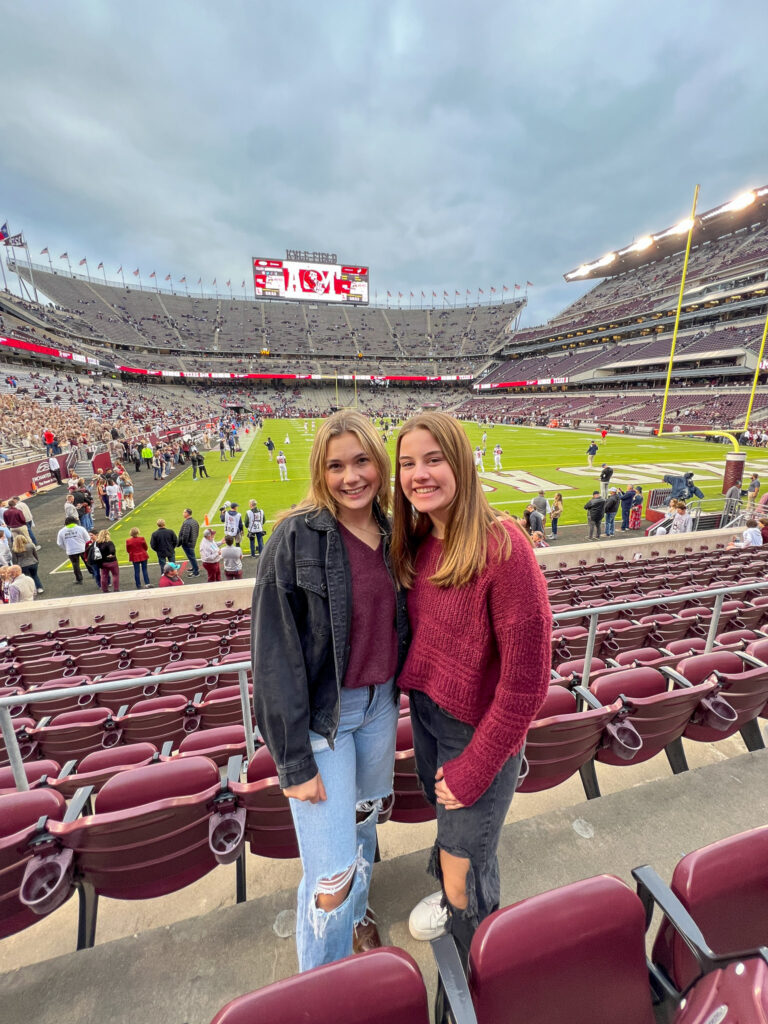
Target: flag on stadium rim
[
  {"x": 412, "y": 295},
  {"x": 389, "y": 295},
  {"x": 82, "y": 262},
  {"x": 152, "y": 274},
  {"x": 517, "y": 287},
  {"x": 199, "y": 280},
  {"x": 504, "y": 288},
  {"x": 100, "y": 266},
  {"x": 444, "y": 292},
  {"x": 529, "y": 284},
  {"x": 493, "y": 289},
  {"x": 400, "y": 295},
  {"x": 455, "y": 292},
  {"x": 119, "y": 269},
  {"x": 136, "y": 272},
  {"x": 423, "y": 295},
  {"x": 4, "y": 232},
  {"x": 44, "y": 252},
  {"x": 64, "y": 256},
  {"x": 434, "y": 295},
  {"x": 243, "y": 285},
  {"x": 15, "y": 240},
  {"x": 182, "y": 280},
  {"x": 167, "y": 277},
  {"x": 480, "y": 291},
  {"x": 468, "y": 292},
  {"x": 214, "y": 281},
  {"x": 229, "y": 284}
]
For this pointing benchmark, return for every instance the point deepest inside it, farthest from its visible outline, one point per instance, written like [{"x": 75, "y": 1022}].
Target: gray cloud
[{"x": 447, "y": 146}]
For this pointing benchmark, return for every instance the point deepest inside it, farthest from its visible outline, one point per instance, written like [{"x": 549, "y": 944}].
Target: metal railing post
[
  {"x": 714, "y": 622},
  {"x": 245, "y": 704},
  {"x": 590, "y": 647},
  {"x": 12, "y": 746}
]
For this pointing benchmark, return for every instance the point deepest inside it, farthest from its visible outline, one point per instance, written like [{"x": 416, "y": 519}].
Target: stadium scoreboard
[{"x": 310, "y": 281}]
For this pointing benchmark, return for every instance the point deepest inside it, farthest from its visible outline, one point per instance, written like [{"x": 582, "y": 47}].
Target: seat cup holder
[
  {"x": 717, "y": 713},
  {"x": 625, "y": 741},
  {"x": 191, "y": 723},
  {"x": 47, "y": 882},
  {"x": 226, "y": 835}
]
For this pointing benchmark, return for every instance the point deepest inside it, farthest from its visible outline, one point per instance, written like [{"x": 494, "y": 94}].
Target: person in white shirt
[
  {"x": 478, "y": 457},
  {"x": 210, "y": 556},
  {"x": 282, "y": 466},
  {"x": 72, "y": 538},
  {"x": 254, "y": 524},
  {"x": 751, "y": 537},
  {"x": 113, "y": 497},
  {"x": 497, "y": 453},
  {"x": 682, "y": 523},
  {"x": 232, "y": 559}
]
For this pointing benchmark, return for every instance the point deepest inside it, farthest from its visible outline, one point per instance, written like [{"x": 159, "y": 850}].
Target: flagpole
[
  {"x": 31, "y": 275},
  {"x": 87, "y": 270},
  {"x": 2, "y": 266},
  {"x": 69, "y": 265},
  {"x": 103, "y": 271},
  {"x": 48, "y": 254},
  {"x": 122, "y": 275}
]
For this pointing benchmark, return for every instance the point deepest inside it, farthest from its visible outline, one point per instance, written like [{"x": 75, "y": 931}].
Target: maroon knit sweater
[{"x": 482, "y": 652}]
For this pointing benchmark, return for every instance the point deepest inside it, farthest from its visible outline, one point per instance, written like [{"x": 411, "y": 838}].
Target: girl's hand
[
  {"x": 312, "y": 790},
  {"x": 444, "y": 795}
]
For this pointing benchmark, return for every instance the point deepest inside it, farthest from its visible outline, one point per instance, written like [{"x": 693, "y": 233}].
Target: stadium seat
[
  {"x": 25, "y": 733},
  {"x": 743, "y": 686},
  {"x": 102, "y": 660},
  {"x": 74, "y": 734},
  {"x": 20, "y": 814},
  {"x": 222, "y": 707},
  {"x": 187, "y": 687},
  {"x": 574, "y": 955},
  {"x": 561, "y": 741},
  {"x": 218, "y": 744},
  {"x": 130, "y": 695},
  {"x": 41, "y": 670},
  {"x": 97, "y": 768},
  {"x": 158, "y": 720},
  {"x": 724, "y": 887},
  {"x": 60, "y": 705},
  {"x": 659, "y": 715},
  {"x": 149, "y": 836},
  {"x": 35, "y": 772},
  {"x": 386, "y": 970}
]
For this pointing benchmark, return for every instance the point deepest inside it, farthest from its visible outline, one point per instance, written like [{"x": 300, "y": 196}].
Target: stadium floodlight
[
  {"x": 641, "y": 244},
  {"x": 741, "y": 202},
  {"x": 604, "y": 260}
]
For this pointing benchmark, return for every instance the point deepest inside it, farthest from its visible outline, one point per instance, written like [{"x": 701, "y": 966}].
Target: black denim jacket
[{"x": 300, "y": 624}]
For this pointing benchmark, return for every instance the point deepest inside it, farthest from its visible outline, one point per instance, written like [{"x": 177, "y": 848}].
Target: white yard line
[{"x": 213, "y": 511}]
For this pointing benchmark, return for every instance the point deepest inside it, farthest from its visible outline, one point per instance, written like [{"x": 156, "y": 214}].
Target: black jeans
[
  {"x": 471, "y": 832},
  {"x": 75, "y": 560}
]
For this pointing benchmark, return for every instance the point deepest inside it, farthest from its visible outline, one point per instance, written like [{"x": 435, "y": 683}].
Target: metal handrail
[
  {"x": 33, "y": 697},
  {"x": 594, "y": 613}
]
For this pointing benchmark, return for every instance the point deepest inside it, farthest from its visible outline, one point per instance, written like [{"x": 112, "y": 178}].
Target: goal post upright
[
  {"x": 679, "y": 308},
  {"x": 757, "y": 373}
]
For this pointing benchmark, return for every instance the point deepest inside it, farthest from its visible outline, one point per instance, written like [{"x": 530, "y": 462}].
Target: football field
[{"x": 532, "y": 459}]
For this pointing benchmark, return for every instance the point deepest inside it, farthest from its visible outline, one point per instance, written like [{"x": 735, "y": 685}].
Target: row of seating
[{"x": 573, "y": 955}]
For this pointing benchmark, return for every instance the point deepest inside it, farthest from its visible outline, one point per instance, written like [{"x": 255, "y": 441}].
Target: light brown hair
[
  {"x": 346, "y": 421},
  {"x": 472, "y": 521}
]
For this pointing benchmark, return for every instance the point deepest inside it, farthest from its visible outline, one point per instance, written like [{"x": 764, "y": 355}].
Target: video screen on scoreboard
[{"x": 316, "y": 282}]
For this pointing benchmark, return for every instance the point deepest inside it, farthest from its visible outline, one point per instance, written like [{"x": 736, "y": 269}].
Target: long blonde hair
[
  {"x": 346, "y": 421},
  {"x": 472, "y": 521}
]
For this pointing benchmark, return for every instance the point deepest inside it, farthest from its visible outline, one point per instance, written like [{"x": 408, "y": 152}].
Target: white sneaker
[{"x": 428, "y": 918}]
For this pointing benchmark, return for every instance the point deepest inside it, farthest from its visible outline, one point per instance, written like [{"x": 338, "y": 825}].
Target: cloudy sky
[{"x": 446, "y": 145}]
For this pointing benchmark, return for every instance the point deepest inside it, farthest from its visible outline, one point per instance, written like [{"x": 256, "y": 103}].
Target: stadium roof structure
[{"x": 742, "y": 211}]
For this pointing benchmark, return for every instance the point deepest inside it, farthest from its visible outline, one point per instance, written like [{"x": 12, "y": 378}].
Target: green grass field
[{"x": 533, "y": 458}]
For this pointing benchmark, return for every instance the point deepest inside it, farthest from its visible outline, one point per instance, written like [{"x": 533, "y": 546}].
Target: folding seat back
[
  {"x": 60, "y": 705},
  {"x": 172, "y": 633},
  {"x": 206, "y": 647},
  {"x": 666, "y": 627},
  {"x": 570, "y": 673},
  {"x": 268, "y": 823},
  {"x": 744, "y": 688},
  {"x": 213, "y": 627},
  {"x": 231, "y": 678},
  {"x": 102, "y": 660},
  {"x": 97, "y": 768},
  {"x": 20, "y": 710},
  {"x": 736, "y": 639},
  {"x": 222, "y": 707},
  {"x": 149, "y": 836},
  {"x": 574, "y": 954},
  {"x": 19, "y": 815},
  {"x": 40, "y": 670},
  {"x": 80, "y": 644},
  {"x": 74, "y": 734},
  {"x": 724, "y": 887},
  {"x": 561, "y": 741},
  {"x": 155, "y": 656},
  {"x": 621, "y": 635},
  {"x": 217, "y": 744},
  {"x": 759, "y": 649},
  {"x": 158, "y": 720},
  {"x": 571, "y": 642},
  {"x": 187, "y": 687},
  {"x": 379, "y": 970},
  {"x": 130, "y": 695},
  {"x": 659, "y": 715},
  {"x": 35, "y": 772},
  {"x": 686, "y": 647},
  {"x": 236, "y": 642}
]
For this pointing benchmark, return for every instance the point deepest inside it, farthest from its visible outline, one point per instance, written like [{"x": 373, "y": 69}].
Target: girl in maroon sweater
[
  {"x": 478, "y": 666},
  {"x": 138, "y": 555}
]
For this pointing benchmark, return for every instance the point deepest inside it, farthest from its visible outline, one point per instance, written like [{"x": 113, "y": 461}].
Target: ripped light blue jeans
[{"x": 357, "y": 775}]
